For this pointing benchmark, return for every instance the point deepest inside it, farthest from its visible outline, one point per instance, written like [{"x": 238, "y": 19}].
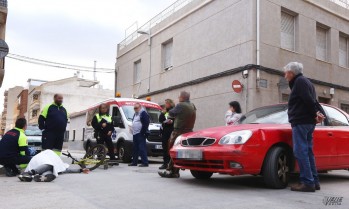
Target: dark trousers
[
  {"x": 13, "y": 161},
  {"x": 108, "y": 141},
  {"x": 53, "y": 140},
  {"x": 171, "y": 142},
  {"x": 165, "y": 138},
  {"x": 139, "y": 149},
  {"x": 302, "y": 136}
]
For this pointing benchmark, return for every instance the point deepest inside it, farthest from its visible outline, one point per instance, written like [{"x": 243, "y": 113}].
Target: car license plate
[
  {"x": 158, "y": 146},
  {"x": 37, "y": 148},
  {"x": 190, "y": 154}
]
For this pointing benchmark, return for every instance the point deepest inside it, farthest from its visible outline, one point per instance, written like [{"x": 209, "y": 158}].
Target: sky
[{"x": 74, "y": 32}]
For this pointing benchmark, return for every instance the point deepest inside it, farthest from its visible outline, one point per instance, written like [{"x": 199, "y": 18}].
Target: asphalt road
[{"x": 133, "y": 187}]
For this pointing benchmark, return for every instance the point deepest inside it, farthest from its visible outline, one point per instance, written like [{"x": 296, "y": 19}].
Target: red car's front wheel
[
  {"x": 276, "y": 168},
  {"x": 201, "y": 174}
]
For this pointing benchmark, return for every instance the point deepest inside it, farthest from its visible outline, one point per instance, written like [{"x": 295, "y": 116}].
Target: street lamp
[{"x": 149, "y": 44}]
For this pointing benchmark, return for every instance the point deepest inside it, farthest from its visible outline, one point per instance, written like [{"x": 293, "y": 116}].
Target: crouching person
[
  {"x": 14, "y": 149},
  {"x": 45, "y": 167}
]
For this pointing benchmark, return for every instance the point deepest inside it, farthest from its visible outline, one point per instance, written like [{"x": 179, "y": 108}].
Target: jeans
[
  {"x": 302, "y": 135},
  {"x": 139, "y": 149}
]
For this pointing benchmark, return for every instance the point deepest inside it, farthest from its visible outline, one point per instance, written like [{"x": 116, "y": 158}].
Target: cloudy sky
[{"x": 69, "y": 31}]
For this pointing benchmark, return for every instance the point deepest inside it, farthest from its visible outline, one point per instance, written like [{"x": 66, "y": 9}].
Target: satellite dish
[{"x": 3, "y": 49}]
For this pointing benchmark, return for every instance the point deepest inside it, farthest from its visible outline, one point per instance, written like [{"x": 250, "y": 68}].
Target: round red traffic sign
[{"x": 237, "y": 86}]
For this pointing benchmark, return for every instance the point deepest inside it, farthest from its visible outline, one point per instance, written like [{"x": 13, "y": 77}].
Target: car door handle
[{"x": 330, "y": 133}]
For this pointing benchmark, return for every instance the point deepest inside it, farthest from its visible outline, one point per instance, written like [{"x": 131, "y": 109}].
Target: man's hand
[
  {"x": 86, "y": 170},
  {"x": 169, "y": 121},
  {"x": 319, "y": 117},
  {"x": 109, "y": 133},
  {"x": 104, "y": 125}
]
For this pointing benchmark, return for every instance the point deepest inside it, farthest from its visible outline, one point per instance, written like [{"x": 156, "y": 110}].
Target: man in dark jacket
[
  {"x": 53, "y": 121},
  {"x": 14, "y": 148},
  {"x": 185, "y": 115},
  {"x": 140, "y": 125},
  {"x": 303, "y": 113},
  {"x": 166, "y": 130}
]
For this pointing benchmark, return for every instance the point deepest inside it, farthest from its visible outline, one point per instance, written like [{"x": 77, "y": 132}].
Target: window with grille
[
  {"x": 35, "y": 97},
  {"x": 137, "y": 71},
  {"x": 34, "y": 113},
  {"x": 321, "y": 43},
  {"x": 343, "y": 51},
  {"x": 345, "y": 107},
  {"x": 287, "y": 31},
  {"x": 167, "y": 54}
]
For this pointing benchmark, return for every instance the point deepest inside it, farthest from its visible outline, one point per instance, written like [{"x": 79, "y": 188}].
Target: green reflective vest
[{"x": 105, "y": 117}]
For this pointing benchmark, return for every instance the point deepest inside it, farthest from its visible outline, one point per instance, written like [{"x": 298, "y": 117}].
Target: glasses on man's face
[{"x": 135, "y": 108}]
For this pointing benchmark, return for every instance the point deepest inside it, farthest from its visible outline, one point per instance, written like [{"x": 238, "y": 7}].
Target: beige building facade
[
  {"x": 10, "y": 111},
  {"x": 78, "y": 95},
  {"x": 204, "y": 45}
]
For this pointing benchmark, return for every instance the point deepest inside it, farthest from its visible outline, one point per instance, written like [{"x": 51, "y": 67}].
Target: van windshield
[{"x": 153, "y": 113}]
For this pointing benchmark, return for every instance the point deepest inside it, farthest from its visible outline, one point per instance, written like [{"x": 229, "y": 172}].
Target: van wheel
[
  {"x": 124, "y": 154},
  {"x": 276, "y": 168},
  {"x": 201, "y": 174}
]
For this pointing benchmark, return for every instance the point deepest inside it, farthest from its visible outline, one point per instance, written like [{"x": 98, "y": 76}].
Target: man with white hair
[
  {"x": 303, "y": 114},
  {"x": 185, "y": 115}
]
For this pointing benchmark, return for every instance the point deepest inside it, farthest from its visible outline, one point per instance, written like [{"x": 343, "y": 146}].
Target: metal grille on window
[
  {"x": 343, "y": 51},
  {"x": 287, "y": 31},
  {"x": 137, "y": 72},
  {"x": 167, "y": 56},
  {"x": 321, "y": 43}
]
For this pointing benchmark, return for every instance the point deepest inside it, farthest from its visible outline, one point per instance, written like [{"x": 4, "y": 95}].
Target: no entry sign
[{"x": 237, "y": 86}]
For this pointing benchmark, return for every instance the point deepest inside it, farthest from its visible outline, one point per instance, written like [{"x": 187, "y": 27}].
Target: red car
[{"x": 262, "y": 145}]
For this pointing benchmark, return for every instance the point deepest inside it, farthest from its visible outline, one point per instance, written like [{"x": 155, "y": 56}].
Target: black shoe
[
  {"x": 46, "y": 178},
  {"x": 143, "y": 165},
  {"x": 26, "y": 177},
  {"x": 163, "y": 167},
  {"x": 317, "y": 187},
  {"x": 131, "y": 164},
  {"x": 168, "y": 174},
  {"x": 10, "y": 173}
]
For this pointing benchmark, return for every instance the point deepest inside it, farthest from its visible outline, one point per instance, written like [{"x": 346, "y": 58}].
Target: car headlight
[
  {"x": 237, "y": 137},
  {"x": 178, "y": 140}
]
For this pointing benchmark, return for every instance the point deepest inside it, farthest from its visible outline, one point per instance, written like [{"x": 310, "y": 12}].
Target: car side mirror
[{"x": 117, "y": 122}]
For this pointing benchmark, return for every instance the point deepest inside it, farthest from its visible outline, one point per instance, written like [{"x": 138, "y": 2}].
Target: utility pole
[{"x": 94, "y": 71}]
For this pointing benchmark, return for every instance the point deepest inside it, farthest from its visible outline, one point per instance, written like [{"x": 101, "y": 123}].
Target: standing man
[
  {"x": 140, "y": 125},
  {"x": 185, "y": 115},
  {"x": 166, "y": 130},
  {"x": 53, "y": 121},
  {"x": 14, "y": 148},
  {"x": 303, "y": 113}
]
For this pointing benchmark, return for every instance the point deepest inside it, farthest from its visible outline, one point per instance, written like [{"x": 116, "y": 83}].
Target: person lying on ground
[{"x": 45, "y": 167}]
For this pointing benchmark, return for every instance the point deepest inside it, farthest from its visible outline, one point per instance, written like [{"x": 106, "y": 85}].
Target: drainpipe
[{"x": 258, "y": 40}]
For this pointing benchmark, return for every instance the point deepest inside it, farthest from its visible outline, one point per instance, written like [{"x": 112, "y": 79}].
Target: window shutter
[
  {"x": 137, "y": 72},
  {"x": 321, "y": 43},
  {"x": 167, "y": 48},
  {"x": 343, "y": 51},
  {"x": 287, "y": 31}
]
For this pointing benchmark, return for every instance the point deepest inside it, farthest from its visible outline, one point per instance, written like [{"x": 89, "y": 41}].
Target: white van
[{"x": 121, "y": 110}]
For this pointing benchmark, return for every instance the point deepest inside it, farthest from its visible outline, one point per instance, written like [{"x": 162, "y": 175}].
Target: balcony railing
[
  {"x": 179, "y": 4},
  {"x": 342, "y": 3},
  {"x": 3, "y": 3}
]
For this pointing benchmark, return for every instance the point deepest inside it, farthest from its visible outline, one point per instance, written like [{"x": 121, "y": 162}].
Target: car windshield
[
  {"x": 266, "y": 115},
  {"x": 33, "y": 131},
  {"x": 153, "y": 113}
]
